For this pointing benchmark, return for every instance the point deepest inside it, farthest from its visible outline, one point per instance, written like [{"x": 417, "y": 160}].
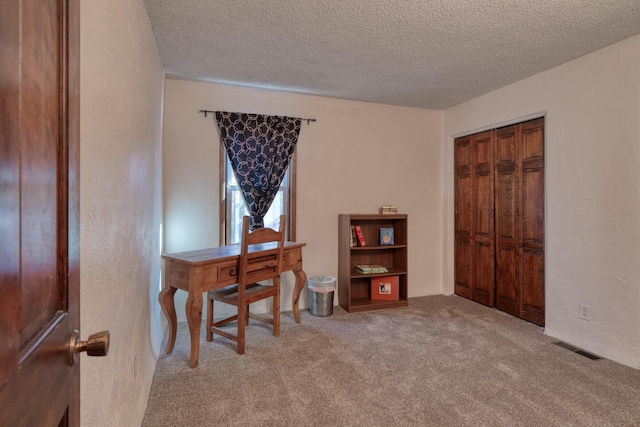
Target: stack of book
[{"x": 371, "y": 269}]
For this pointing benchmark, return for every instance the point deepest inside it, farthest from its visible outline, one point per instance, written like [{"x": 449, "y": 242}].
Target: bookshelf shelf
[
  {"x": 375, "y": 248},
  {"x": 354, "y": 289}
]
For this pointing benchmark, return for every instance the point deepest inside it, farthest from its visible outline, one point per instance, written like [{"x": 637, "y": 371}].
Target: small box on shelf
[
  {"x": 385, "y": 288},
  {"x": 389, "y": 210}
]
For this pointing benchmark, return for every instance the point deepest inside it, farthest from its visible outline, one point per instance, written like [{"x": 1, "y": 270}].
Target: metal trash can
[{"x": 321, "y": 290}]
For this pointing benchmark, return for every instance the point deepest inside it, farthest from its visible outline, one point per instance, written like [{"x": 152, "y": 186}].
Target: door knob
[{"x": 96, "y": 345}]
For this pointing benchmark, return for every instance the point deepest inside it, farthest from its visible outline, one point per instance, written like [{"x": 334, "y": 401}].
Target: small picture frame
[
  {"x": 386, "y": 237},
  {"x": 384, "y": 288}
]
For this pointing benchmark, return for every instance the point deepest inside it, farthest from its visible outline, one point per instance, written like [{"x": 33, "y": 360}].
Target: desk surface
[{"x": 204, "y": 256}]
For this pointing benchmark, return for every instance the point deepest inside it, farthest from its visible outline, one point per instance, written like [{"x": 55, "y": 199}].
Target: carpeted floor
[{"x": 443, "y": 361}]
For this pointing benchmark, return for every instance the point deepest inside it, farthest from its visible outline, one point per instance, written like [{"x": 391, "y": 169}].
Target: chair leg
[
  {"x": 247, "y": 314},
  {"x": 276, "y": 311},
  {"x": 241, "y": 327},
  {"x": 209, "y": 318}
]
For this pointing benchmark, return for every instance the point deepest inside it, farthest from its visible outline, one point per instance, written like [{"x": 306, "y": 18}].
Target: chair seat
[{"x": 229, "y": 294}]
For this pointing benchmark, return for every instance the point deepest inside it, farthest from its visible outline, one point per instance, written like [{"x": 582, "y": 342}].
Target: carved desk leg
[
  {"x": 301, "y": 279},
  {"x": 166, "y": 302},
  {"x": 193, "y": 310}
]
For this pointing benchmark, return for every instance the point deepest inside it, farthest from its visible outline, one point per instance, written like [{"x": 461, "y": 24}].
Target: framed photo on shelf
[{"x": 386, "y": 236}]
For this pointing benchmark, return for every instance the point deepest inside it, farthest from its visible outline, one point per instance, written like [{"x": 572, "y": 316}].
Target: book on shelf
[
  {"x": 386, "y": 236},
  {"x": 353, "y": 239},
  {"x": 371, "y": 269},
  {"x": 361, "y": 241}
]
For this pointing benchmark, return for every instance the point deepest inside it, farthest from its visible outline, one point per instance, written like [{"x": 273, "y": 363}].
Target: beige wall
[
  {"x": 120, "y": 207},
  {"x": 592, "y": 200},
  {"x": 353, "y": 159}
]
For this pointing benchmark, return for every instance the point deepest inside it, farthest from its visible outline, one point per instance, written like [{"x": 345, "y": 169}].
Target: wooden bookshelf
[{"x": 354, "y": 289}]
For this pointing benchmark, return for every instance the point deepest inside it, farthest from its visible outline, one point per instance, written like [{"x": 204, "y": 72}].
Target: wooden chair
[{"x": 261, "y": 262}]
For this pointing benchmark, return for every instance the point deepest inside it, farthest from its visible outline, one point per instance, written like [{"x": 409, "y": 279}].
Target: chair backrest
[{"x": 261, "y": 252}]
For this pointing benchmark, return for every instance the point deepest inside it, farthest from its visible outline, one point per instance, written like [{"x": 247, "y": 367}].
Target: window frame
[{"x": 290, "y": 232}]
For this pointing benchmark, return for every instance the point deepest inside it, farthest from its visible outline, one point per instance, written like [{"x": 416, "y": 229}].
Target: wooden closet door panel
[
  {"x": 484, "y": 282},
  {"x": 507, "y": 191},
  {"x": 463, "y": 245},
  {"x": 462, "y": 155},
  {"x": 532, "y": 308},
  {"x": 483, "y": 186},
  {"x": 533, "y": 208},
  {"x": 533, "y": 140},
  {"x": 532, "y": 303},
  {"x": 533, "y": 184},
  {"x": 484, "y": 268},
  {"x": 463, "y": 268},
  {"x": 464, "y": 206},
  {"x": 507, "y": 272}
]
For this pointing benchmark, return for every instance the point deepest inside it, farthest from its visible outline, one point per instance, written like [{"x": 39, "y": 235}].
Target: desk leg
[
  {"x": 193, "y": 311},
  {"x": 301, "y": 279},
  {"x": 166, "y": 302}
]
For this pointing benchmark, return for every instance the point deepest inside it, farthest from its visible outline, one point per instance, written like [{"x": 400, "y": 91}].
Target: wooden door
[
  {"x": 464, "y": 218},
  {"x": 507, "y": 206},
  {"x": 39, "y": 253},
  {"x": 474, "y": 218},
  {"x": 532, "y": 221},
  {"x": 499, "y": 219},
  {"x": 519, "y": 209}
]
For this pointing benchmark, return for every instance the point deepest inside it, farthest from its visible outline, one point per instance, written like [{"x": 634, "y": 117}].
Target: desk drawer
[
  {"x": 292, "y": 259},
  {"x": 228, "y": 272}
]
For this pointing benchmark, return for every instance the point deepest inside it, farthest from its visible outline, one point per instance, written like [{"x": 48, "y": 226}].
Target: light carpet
[{"x": 442, "y": 361}]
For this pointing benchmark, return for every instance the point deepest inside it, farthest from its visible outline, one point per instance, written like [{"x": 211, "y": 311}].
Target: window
[{"x": 233, "y": 207}]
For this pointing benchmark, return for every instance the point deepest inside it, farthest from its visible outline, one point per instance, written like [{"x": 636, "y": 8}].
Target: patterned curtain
[{"x": 260, "y": 150}]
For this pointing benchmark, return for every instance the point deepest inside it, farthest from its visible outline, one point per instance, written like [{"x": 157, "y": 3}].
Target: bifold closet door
[
  {"x": 499, "y": 219},
  {"x": 474, "y": 218},
  {"x": 519, "y": 208}
]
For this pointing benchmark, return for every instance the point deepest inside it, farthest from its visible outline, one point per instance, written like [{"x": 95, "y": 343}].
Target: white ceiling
[{"x": 418, "y": 53}]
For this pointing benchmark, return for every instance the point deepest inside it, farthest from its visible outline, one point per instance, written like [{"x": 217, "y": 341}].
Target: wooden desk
[{"x": 203, "y": 270}]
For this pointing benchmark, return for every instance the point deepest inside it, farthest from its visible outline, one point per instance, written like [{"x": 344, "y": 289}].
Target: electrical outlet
[{"x": 585, "y": 312}]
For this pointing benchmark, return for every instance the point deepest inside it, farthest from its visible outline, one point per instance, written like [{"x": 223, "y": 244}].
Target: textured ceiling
[{"x": 418, "y": 53}]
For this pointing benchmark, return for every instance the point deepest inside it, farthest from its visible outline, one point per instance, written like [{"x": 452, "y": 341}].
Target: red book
[{"x": 360, "y": 236}]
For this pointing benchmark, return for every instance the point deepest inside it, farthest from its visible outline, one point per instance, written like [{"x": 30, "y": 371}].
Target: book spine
[
  {"x": 353, "y": 241},
  {"x": 360, "y": 236}
]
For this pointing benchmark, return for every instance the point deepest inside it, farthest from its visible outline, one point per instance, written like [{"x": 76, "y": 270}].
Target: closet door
[
  {"x": 508, "y": 220},
  {"x": 474, "y": 218},
  {"x": 519, "y": 209},
  {"x": 464, "y": 209},
  {"x": 532, "y": 264}
]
